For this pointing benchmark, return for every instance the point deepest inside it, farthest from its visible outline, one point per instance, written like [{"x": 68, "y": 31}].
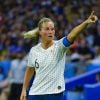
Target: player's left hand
[{"x": 92, "y": 18}]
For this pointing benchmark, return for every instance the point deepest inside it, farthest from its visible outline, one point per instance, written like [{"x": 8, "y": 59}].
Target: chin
[{"x": 50, "y": 39}]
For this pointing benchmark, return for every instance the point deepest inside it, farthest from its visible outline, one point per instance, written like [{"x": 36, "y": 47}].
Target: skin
[{"x": 47, "y": 33}]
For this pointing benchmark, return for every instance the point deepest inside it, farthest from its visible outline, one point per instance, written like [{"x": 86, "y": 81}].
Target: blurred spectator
[
  {"x": 98, "y": 77},
  {"x": 1, "y": 76},
  {"x": 96, "y": 59},
  {"x": 1, "y": 73},
  {"x": 5, "y": 64},
  {"x": 84, "y": 50},
  {"x": 16, "y": 74},
  {"x": 75, "y": 67}
]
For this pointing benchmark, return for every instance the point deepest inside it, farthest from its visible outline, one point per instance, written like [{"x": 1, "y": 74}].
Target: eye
[
  {"x": 52, "y": 29},
  {"x": 47, "y": 28}
]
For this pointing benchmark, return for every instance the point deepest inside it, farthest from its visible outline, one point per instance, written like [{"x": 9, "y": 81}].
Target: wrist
[
  {"x": 86, "y": 22},
  {"x": 24, "y": 88}
]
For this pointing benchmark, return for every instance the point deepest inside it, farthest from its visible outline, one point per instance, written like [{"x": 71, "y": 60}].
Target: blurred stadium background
[{"x": 82, "y": 69}]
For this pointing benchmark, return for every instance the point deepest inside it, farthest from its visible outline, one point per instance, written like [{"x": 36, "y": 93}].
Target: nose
[{"x": 51, "y": 31}]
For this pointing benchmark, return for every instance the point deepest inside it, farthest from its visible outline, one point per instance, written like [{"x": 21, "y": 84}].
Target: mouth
[{"x": 50, "y": 36}]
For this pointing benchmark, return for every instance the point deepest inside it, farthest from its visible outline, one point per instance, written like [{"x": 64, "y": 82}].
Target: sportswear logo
[
  {"x": 59, "y": 87},
  {"x": 36, "y": 64}
]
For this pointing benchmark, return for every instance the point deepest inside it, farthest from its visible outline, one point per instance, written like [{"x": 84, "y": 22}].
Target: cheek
[
  {"x": 43, "y": 34},
  {"x": 54, "y": 32}
]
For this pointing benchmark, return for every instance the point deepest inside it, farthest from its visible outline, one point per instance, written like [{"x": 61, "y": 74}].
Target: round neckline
[{"x": 46, "y": 48}]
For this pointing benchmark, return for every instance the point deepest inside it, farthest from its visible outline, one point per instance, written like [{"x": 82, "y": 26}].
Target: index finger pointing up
[{"x": 92, "y": 13}]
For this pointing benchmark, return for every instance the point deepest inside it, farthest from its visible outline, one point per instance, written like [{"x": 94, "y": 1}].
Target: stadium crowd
[{"x": 20, "y": 16}]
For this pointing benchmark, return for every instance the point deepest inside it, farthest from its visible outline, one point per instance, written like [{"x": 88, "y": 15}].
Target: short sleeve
[
  {"x": 63, "y": 45},
  {"x": 29, "y": 63},
  {"x": 66, "y": 42}
]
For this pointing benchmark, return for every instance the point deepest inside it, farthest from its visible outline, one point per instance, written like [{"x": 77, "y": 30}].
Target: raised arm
[{"x": 78, "y": 29}]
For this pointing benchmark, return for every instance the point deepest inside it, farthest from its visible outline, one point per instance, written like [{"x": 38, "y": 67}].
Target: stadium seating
[{"x": 82, "y": 80}]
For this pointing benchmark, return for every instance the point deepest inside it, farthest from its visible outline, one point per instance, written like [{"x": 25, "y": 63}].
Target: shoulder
[
  {"x": 64, "y": 42},
  {"x": 35, "y": 48}
]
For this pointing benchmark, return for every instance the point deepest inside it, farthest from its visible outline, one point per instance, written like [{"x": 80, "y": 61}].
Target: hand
[
  {"x": 92, "y": 18},
  {"x": 23, "y": 95}
]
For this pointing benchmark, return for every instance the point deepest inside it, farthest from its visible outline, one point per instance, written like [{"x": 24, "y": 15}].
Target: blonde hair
[
  {"x": 31, "y": 34},
  {"x": 35, "y": 32}
]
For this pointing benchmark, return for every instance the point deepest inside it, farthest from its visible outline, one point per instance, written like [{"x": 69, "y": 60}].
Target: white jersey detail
[{"x": 49, "y": 65}]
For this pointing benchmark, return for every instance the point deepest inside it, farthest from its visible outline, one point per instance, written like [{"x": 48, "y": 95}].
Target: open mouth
[{"x": 49, "y": 36}]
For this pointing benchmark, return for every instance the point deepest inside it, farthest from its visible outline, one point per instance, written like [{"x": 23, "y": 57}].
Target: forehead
[{"x": 48, "y": 24}]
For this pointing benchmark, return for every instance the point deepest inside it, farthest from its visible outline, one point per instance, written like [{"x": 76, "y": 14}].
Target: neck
[{"x": 46, "y": 44}]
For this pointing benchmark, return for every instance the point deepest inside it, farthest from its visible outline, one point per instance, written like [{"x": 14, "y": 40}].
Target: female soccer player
[{"x": 47, "y": 60}]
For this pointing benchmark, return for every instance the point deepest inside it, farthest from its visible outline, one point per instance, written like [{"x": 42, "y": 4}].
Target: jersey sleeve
[
  {"x": 63, "y": 44},
  {"x": 30, "y": 57},
  {"x": 66, "y": 42}
]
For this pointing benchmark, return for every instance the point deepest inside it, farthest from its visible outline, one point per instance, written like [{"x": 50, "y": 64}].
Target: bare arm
[
  {"x": 78, "y": 29},
  {"x": 30, "y": 71}
]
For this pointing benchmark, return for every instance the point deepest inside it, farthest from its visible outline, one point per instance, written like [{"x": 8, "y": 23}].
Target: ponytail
[
  {"x": 35, "y": 32},
  {"x": 31, "y": 34}
]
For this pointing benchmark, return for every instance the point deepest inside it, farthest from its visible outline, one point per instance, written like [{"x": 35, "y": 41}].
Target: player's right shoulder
[{"x": 34, "y": 48}]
